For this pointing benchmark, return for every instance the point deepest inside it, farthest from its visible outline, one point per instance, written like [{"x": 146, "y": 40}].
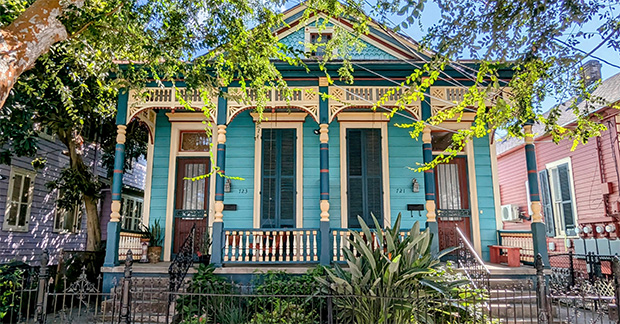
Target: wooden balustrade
[
  {"x": 522, "y": 239},
  {"x": 269, "y": 246},
  {"x": 341, "y": 240},
  {"x": 129, "y": 241}
]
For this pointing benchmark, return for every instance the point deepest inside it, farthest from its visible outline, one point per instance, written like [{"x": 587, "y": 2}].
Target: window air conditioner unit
[{"x": 510, "y": 213}]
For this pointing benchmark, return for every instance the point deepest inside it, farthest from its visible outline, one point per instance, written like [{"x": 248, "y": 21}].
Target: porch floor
[{"x": 162, "y": 268}]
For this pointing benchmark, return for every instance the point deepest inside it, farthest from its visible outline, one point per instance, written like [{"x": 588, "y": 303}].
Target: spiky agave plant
[{"x": 389, "y": 278}]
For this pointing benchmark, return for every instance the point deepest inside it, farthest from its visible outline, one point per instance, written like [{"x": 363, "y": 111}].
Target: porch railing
[
  {"x": 129, "y": 240},
  {"x": 294, "y": 245},
  {"x": 522, "y": 239},
  {"x": 339, "y": 241},
  {"x": 468, "y": 259}
]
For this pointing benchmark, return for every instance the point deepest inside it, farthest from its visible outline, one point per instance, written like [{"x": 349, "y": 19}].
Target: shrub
[
  {"x": 284, "y": 311},
  {"x": 10, "y": 283},
  {"x": 208, "y": 295},
  {"x": 279, "y": 286},
  {"x": 392, "y": 283}
]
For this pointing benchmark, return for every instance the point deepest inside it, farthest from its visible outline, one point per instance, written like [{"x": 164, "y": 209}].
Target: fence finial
[
  {"x": 45, "y": 259},
  {"x": 538, "y": 263}
]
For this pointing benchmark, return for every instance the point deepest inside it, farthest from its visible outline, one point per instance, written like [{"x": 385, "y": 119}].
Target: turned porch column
[
  {"x": 218, "y": 217},
  {"x": 429, "y": 179},
  {"x": 325, "y": 255},
  {"x": 539, "y": 233},
  {"x": 114, "y": 225}
]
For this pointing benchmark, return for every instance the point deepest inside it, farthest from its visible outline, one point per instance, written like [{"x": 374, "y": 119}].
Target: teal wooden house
[{"x": 312, "y": 165}]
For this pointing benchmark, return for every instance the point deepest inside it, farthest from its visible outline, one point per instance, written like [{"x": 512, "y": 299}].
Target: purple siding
[{"x": 27, "y": 246}]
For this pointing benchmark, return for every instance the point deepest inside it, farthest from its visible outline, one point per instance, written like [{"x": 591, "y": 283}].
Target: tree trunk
[
  {"x": 93, "y": 224},
  {"x": 28, "y": 37}
]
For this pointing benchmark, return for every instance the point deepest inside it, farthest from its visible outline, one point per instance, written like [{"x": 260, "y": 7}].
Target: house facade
[
  {"x": 311, "y": 165},
  {"x": 29, "y": 216},
  {"x": 579, "y": 189}
]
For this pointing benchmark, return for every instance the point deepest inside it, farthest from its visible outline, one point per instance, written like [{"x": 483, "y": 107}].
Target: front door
[
  {"x": 364, "y": 178},
  {"x": 191, "y": 205},
  {"x": 452, "y": 201}
]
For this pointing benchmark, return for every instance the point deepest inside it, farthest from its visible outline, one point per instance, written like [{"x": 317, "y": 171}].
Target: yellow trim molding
[{"x": 364, "y": 120}]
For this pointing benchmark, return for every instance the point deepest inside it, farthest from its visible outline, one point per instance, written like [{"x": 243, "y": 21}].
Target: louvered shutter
[
  {"x": 287, "y": 140},
  {"x": 547, "y": 208},
  {"x": 278, "y": 190},
  {"x": 566, "y": 205},
  {"x": 365, "y": 189},
  {"x": 355, "y": 190}
]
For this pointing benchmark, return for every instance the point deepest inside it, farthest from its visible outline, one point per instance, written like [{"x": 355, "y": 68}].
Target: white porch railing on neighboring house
[
  {"x": 273, "y": 246},
  {"x": 339, "y": 241},
  {"x": 129, "y": 241},
  {"x": 522, "y": 239}
]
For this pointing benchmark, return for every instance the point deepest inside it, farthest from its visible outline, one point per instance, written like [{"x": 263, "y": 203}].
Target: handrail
[
  {"x": 478, "y": 272},
  {"x": 182, "y": 261}
]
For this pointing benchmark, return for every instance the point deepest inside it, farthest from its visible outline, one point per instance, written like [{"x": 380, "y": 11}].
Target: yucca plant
[{"x": 390, "y": 278}]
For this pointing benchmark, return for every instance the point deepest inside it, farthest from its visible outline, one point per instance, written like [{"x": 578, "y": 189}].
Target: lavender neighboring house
[{"x": 28, "y": 215}]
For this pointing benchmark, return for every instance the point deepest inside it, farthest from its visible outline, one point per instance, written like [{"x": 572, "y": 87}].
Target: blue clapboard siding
[
  {"x": 240, "y": 163},
  {"x": 311, "y": 184},
  {"x": 161, "y": 169},
  {"x": 27, "y": 246},
  {"x": 334, "y": 175},
  {"x": 486, "y": 205},
  {"x": 404, "y": 152}
]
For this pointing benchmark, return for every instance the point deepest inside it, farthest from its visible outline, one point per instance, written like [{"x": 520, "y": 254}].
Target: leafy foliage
[
  {"x": 285, "y": 311},
  {"x": 390, "y": 283},
  {"x": 296, "y": 289},
  {"x": 10, "y": 283},
  {"x": 210, "y": 298}
]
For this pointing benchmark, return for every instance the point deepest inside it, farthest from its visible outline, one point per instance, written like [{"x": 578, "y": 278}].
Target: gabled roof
[
  {"x": 379, "y": 39},
  {"x": 608, "y": 90}
]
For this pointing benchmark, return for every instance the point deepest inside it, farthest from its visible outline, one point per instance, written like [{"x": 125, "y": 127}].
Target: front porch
[{"x": 239, "y": 247}]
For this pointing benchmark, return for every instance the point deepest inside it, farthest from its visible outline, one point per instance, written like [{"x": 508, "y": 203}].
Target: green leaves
[{"x": 384, "y": 270}]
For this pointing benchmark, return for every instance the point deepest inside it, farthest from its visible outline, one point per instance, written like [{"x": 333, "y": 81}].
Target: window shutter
[
  {"x": 355, "y": 190},
  {"x": 287, "y": 173},
  {"x": 567, "y": 201},
  {"x": 365, "y": 189},
  {"x": 547, "y": 207},
  {"x": 278, "y": 190}
]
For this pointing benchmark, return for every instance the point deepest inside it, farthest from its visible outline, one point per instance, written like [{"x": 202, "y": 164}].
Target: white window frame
[
  {"x": 309, "y": 30},
  {"x": 77, "y": 219},
  {"x": 363, "y": 120},
  {"x": 24, "y": 173},
  {"x": 134, "y": 217},
  {"x": 560, "y": 227}
]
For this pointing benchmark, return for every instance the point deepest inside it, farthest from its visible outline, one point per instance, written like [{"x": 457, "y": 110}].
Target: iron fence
[{"x": 150, "y": 300}]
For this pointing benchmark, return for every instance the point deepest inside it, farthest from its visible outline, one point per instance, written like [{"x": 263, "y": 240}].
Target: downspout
[
  {"x": 613, "y": 140},
  {"x": 601, "y": 168}
]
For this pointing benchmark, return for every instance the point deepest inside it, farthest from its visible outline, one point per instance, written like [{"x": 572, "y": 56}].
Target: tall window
[
  {"x": 67, "y": 220},
  {"x": 558, "y": 200},
  {"x": 19, "y": 200},
  {"x": 131, "y": 212},
  {"x": 278, "y": 179},
  {"x": 365, "y": 187}
]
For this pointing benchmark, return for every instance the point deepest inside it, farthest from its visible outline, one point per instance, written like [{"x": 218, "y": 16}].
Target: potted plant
[
  {"x": 204, "y": 246},
  {"x": 155, "y": 242},
  {"x": 144, "y": 243}
]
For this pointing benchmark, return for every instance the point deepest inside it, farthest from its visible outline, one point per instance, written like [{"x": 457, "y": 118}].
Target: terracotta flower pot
[{"x": 154, "y": 254}]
